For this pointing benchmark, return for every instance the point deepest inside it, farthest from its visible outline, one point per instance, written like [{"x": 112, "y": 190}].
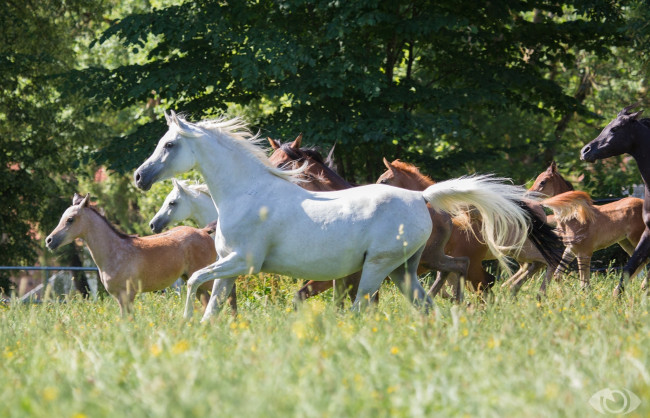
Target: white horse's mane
[
  {"x": 236, "y": 131},
  {"x": 193, "y": 189}
]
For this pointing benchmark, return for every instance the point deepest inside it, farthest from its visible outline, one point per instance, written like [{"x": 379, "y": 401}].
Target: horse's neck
[
  {"x": 203, "y": 210},
  {"x": 561, "y": 185},
  {"x": 335, "y": 181},
  {"x": 102, "y": 241},
  {"x": 641, "y": 154},
  {"x": 418, "y": 182},
  {"x": 236, "y": 173}
]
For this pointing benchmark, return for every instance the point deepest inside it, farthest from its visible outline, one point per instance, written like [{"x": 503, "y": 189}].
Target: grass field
[{"x": 510, "y": 357}]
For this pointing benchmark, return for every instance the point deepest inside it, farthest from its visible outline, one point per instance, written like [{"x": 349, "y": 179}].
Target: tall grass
[{"x": 508, "y": 357}]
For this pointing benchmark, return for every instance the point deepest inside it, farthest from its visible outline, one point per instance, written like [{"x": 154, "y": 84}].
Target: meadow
[{"x": 506, "y": 357}]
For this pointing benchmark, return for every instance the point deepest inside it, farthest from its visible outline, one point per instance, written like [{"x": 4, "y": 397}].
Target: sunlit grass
[{"x": 510, "y": 357}]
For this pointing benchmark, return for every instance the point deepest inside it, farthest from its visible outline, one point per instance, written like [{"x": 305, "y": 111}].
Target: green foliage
[
  {"x": 40, "y": 132},
  {"x": 397, "y": 79},
  {"x": 506, "y": 358}
]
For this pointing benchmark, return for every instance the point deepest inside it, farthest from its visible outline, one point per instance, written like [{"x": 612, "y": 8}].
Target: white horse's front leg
[
  {"x": 230, "y": 266},
  {"x": 220, "y": 292}
]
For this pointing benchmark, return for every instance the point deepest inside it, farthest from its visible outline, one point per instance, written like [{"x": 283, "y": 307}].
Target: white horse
[
  {"x": 268, "y": 223},
  {"x": 185, "y": 201}
]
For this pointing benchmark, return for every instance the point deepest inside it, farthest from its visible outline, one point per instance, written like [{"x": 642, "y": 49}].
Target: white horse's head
[
  {"x": 176, "y": 208},
  {"x": 173, "y": 154}
]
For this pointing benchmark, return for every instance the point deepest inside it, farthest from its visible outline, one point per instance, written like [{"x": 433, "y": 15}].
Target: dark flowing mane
[{"x": 303, "y": 152}]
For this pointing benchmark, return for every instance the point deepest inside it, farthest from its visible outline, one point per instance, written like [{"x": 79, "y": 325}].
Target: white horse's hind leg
[
  {"x": 406, "y": 278},
  {"x": 226, "y": 269}
]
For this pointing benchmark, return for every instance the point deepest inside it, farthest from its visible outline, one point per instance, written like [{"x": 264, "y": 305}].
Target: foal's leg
[
  {"x": 584, "y": 269},
  {"x": 639, "y": 256},
  {"x": 531, "y": 268}
]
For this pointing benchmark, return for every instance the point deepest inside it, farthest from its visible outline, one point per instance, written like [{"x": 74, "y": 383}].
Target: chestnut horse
[
  {"x": 586, "y": 228},
  {"x": 550, "y": 182},
  {"x": 465, "y": 238},
  {"x": 627, "y": 134},
  {"x": 129, "y": 264}
]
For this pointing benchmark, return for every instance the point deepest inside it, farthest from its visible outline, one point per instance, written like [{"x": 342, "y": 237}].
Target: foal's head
[
  {"x": 404, "y": 175},
  {"x": 71, "y": 225},
  {"x": 176, "y": 207},
  {"x": 551, "y": 182},
  {"x": 620, "y": 136}
]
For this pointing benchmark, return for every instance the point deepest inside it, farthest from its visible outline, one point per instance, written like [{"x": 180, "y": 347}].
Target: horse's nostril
[
  {"x": 586, "y": 149},
  {"x": 151, "y": 225},
  {"x": 48, "y": 240},
  {"x": 137, "y": 177}
]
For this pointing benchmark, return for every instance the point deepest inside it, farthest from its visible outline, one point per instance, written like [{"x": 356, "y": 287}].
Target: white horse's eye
[
  {"x": 172, "y": 203},
  {"x": 69, "y": 220},
  {"x": 169, "y": 145}
]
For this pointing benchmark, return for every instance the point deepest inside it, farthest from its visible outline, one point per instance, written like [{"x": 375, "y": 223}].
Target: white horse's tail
[{"x": 504, "y": 223}]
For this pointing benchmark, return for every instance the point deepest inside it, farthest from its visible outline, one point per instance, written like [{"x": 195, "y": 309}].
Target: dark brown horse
[{"x": 627, "y": 134}]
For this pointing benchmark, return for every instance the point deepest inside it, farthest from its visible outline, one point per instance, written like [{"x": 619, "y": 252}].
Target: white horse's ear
[
  {"x": 76, "y": 199},
  {"x": 175, "y": 182},
  {"x": 167, "y": 118},
  {"x": 297, "y": 142},
  {"x": 174, "y": 118}
]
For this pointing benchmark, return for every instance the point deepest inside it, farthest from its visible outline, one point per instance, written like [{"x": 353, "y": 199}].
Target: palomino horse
[
  {"x": 322, "y": 178},
  {"x": 586, "y": 228},
  {"x": 627, "y": 134},
  {"x": 129, "y": 264},
  {"x": 268, "y": 223},
  {"x": 465, "y": 236}
]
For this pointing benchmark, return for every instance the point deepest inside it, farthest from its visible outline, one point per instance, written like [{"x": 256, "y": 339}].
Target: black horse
[{"x": 627, "y": 134}]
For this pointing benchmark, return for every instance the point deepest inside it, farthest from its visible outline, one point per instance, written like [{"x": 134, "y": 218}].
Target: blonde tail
[{"x": 504, "y": 225}]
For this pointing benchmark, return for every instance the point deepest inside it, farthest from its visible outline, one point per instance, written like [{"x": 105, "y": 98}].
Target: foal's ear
[
  {"x": 296, "y": 142},
  {"x": 552, "y": 168},
  {"x": 387, "y": 164},
  {"x": 274, "y": 144},
  {"x": 77, "y": 200}
]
